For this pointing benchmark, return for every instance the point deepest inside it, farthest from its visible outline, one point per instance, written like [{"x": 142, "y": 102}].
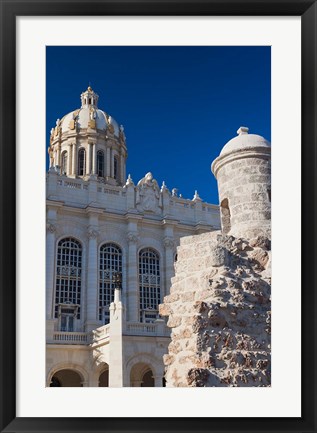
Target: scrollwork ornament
[
  {"x": 132, "y": 237},
  {"x": 169, "y": 243},
  {"x": 92, "y": 234},
  {"x": 50, "y": 228}
]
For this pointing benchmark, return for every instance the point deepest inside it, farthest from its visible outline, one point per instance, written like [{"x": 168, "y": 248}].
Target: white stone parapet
[{"x": 153, "y": 203}]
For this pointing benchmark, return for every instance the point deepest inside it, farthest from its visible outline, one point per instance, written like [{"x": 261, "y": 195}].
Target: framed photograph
[{"x": 94, "y": 245}]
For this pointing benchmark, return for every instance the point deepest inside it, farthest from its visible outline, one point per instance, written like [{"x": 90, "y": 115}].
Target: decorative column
[
  {"x": 169, "y": 245},
  {"x": 116, "y": 347},
  {"x": 92, "y": 274},
  {"x": 122, "y": 175},
  {"x": 58, "y": 155},
  {"x": 88, "y": 165},
  {"x": 198, "y": 208},
  {"x": 69, "y": 159},
  {"x": 111, "y": 162},
  {"x": 158, "y": 381},
  {"x": 108, "y": 174},
  {"x": 132, "y": 284},
  {"x": 94, "y": 159},
  {"x": 74, "y": 160},
  {"x": 50, "y": 271}
]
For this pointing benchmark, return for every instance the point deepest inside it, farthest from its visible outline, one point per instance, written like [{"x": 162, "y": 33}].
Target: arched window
[
  {"x": 115, "y": 167},
  {"x": 110, "y": 262},
  {"x": 149, "y": 284},
  {"x": 81, "y": 162},
  {"x": 100, "y": 163},
  {"x": 64, "y": 163},
  {"x": 68, "y": 282}
]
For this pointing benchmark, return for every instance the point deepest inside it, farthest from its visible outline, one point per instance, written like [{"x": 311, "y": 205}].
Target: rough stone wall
[
  {"x": 219, "y": 310},
  {"x": 246, "y": 183}
]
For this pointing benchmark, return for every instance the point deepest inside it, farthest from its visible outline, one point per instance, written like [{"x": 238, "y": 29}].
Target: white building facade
[{"x": 110, "y": 252}]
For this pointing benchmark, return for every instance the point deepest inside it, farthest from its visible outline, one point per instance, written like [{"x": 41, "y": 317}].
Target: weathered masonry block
[{"x": 220, "y": 313}]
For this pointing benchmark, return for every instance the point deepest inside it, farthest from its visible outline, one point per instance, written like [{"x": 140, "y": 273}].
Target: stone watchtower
[
  {"x": 220, "y": 301},
  {"x": 243, "y": 171}
]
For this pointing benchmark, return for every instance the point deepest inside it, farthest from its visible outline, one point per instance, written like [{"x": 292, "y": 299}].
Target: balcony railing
[
  {"x": 70, "y": 337},
  {"x": 141, "y": 328},
  {"x": 102, "y": 334},
  {"x": 155, "y": 329}
]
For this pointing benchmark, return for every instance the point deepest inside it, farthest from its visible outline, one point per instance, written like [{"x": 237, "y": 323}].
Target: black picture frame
[{"x": 10, "y": 9}]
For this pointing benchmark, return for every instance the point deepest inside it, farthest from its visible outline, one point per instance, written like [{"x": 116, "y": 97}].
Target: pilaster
[
  {"x": 92, "y": 273},
  {"x": 132, "y": 285},
  {"x": 116, "y": 352},
  {"x": 169, "y": 245},
  {"x": 50, "y": 262},
  {"x": 130, "y": 193},
  {"x": 52, "y": 177}
]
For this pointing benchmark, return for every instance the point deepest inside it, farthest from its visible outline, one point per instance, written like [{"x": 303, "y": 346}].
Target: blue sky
[{"x": 178, "y": 105}]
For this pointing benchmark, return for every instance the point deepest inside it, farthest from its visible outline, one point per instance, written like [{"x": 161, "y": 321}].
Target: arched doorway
[
  {"x": 104, "y": 378},
  {"x": 141, "y": 376},
  {"x": 66, "y": 378},
  {"x": 147, "y": 379}
]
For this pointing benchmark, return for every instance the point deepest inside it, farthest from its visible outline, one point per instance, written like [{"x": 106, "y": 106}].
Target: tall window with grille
[
  {"x": 100, "y": 163},
  {"x": 81, "y": 162},
  {"x": 64, "y": 163},
  {"x": 68, "y": 282},
  {"x": 149, "y": 284},
  {"x": 110, "y": 262},
  {"x": 115, "y": 167}
]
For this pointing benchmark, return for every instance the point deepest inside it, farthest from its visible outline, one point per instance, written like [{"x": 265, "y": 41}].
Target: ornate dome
[
  {"x": 244, "y": 141},
  {"x": 89, "y": 116},
  {"x": 89, "y": 144}
]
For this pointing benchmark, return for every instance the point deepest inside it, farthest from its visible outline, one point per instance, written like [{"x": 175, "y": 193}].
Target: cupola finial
[
  {"x": 89, "y": 98},
  {"x": 243, "y": 130}
]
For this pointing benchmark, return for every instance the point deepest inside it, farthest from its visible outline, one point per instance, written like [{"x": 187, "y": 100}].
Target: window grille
[
  {"x": 110, "y": 262},
  {"x": 149, "y": 284},
  {"x": 81, "y": 162},
  {"x": 68, "y": 274},
  {"x": 64, "y": 163},
  {"x": 115, "y": 167},
  {"x": 100, "y": 163}
]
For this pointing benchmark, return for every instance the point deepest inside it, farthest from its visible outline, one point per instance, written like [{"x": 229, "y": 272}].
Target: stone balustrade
[
  {"x": 70, "y": 338},
  {"x": 102, "y": 334}
]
